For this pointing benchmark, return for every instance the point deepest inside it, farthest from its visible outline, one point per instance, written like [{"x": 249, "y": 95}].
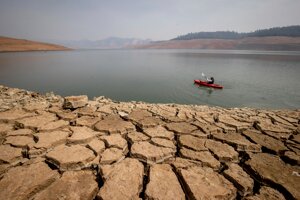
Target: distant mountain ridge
[
  {"x": 288, "y": 31},
  {"x": 108, "y": 43}
]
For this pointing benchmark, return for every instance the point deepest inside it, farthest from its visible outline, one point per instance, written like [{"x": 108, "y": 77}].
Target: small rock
[
  {"x": 74, "y": 102},
  {"x": 123, "y": 114}
]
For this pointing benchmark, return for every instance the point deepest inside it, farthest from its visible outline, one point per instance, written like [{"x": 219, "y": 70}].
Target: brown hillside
[
  {"x": 258, "y": 43},
  {"x": 12, "y": 44}
]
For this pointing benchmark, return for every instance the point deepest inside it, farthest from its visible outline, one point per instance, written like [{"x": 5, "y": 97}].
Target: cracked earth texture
[{"x": 75, "y": 148}]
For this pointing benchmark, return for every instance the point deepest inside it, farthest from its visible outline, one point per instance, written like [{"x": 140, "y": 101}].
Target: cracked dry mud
[{"x": 75, "y": 148}]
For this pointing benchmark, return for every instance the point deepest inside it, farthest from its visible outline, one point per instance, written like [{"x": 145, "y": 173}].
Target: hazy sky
[{"x": 154, "y": 19}]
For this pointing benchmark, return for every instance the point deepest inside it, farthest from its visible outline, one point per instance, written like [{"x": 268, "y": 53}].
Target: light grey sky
[{"x": 154, "y": 19}]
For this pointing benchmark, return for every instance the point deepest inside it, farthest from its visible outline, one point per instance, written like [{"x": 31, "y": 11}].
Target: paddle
[{"x": 204, "y": 75}]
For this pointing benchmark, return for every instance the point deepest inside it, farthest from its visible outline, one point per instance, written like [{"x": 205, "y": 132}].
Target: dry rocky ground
[{"x": 74, "y": 148}]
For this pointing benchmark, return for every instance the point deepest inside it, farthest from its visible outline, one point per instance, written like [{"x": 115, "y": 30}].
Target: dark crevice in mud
[
  {"x": 35, "y": 139},
  {"x": 25, "y": 153},
  {"x": 188, "y": 193},
  {"x": 181, "y": 181},
  {"x": 99, "y": 178},
  {"x": 289, "y": 161},
  {"x": 248, "y": 138},
  {"x": 214, "y": 155},
  {"x": 235, "y": 146},
  {"x": 238, "y": 196},
  {"x": 176, "y": 138},
  {"x": 256, "y": 187},
  {"x": 146, "y": 180},
  {"x": 243, "y": 157},
  {"x": 257, "y": 184},
  {"x": 222, "y": 168},
  {"x": 178, "y": 147},
  {"x": 158, "y": 145},
  {"x": 51, "y": 165},
  {"x": 259, "y": 181},
  {"x": 255, "y": 125},
  {"x": 129, "y": 147},
  {"x": 177, "y": 112},
  {"x": 269, "y": 151},
  {"x": 138, "y": 128}
]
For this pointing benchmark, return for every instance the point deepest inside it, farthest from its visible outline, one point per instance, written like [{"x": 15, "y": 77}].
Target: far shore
[{"x": 20, "y": 45}]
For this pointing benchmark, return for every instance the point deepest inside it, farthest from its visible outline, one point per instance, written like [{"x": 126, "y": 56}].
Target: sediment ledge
[{"x": 74, "y": 148}]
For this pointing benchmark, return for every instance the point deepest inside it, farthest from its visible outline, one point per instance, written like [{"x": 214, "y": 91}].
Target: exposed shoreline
[
  {"x": 20, "y": 45},
  {"x": 54, "y": 146},
  {"x": 271, "y": 43}
]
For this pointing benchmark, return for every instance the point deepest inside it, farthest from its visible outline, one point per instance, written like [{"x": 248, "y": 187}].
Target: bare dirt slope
[
  {"x": 12, "y": 44},
  {"x": 258, "y": 43}
]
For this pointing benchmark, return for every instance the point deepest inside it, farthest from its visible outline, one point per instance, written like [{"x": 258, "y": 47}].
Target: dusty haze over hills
[{"x": 50, "y": 20}]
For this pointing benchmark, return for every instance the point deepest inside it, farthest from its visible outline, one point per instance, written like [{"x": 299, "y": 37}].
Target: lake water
[{"x": 260, "y": 79}]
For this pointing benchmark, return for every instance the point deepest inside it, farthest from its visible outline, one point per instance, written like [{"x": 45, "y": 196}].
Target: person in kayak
[{"x": 210, "y": 80}]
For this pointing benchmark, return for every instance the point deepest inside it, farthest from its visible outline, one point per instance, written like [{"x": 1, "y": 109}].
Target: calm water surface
[{"x": 260, "y": 79}]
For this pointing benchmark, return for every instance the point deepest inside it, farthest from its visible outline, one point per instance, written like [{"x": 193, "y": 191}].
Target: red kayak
[{"x": 204, "y": 83}]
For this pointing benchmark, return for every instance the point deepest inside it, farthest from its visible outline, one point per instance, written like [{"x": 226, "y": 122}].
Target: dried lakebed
[{"x": 75, "y": 148}]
